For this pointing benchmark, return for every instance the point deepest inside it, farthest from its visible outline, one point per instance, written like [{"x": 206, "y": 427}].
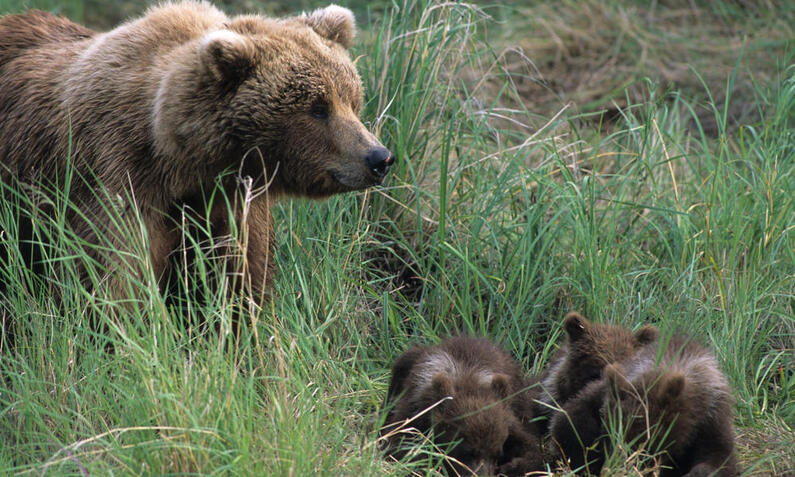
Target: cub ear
[
  {"x": 671, "y": 385},
  {"x": 333, "y": 23},
  {"x": 647, "y": 334},
  {"x": 501, "y": 385},
  {"x": 614, "y": 374},
  {"x": 441, "y": 386},
  {"x": 575, "y": 325},
  {"x": 228, "y": 56}
]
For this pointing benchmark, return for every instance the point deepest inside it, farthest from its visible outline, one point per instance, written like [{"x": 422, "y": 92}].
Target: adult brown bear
[{"x": 157, "y": 108}]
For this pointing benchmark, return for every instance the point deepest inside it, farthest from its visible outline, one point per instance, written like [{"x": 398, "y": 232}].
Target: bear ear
[
  {"x": 334, "y": 23},
  {"x": 647, "y": 334},
  {"x": 575, "y": 325},
  {"x": 671, "y": 385},
  {"x": 441, "y": 386},
  {"x": 228, "y": 56},
  {"x": 501, "y": 385}
]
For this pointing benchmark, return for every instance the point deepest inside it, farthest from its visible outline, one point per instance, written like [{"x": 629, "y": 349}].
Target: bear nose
[{"x": 378, "y": 159}]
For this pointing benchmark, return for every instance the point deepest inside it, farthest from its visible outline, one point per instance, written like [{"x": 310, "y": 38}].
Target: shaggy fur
[
  {"x": 590, "y": 347},
  {"x": 578, "y": 432},
  {"x": 160, "y": 106},
  {"x": 482, "y": 407},
  {"x": 676, "y": 400}
]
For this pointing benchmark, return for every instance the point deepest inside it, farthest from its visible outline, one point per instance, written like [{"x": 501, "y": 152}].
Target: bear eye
[{"x": 319, "y": 111}]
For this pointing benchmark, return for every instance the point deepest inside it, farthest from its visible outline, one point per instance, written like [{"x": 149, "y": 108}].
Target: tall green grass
[{"x": 496, "y": 220}]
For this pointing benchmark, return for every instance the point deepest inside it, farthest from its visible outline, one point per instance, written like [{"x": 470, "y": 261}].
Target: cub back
[{"x": 676, "y": 400}]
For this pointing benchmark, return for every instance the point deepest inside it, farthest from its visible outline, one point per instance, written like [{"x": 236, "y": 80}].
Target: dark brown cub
[
  {"x": 471, "y": 395},
  {"x": 670, "y": 400},
  {"x": 589, "y": 348}
]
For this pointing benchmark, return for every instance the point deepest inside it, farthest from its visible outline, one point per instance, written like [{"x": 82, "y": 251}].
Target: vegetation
[{"x": 524, "y": 189}]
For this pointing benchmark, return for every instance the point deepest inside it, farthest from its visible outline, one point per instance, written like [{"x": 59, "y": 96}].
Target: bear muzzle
[{"x": 364, "y": 169}]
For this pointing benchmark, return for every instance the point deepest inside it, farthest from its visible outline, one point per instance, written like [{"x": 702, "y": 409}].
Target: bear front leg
[
  {"x": 714, "y": 463},
  {"x": 163, "y": 240},
  {"x": 522, "y": 454},
  {"x": 522, "y": 466},
  {"x": 711, "y": 452},
  {"x": 118, "y": 244},
  {"x": 577, "y": 431},
  {"x": 256, "y": 224},
  {"x": 246, "y": 253}
]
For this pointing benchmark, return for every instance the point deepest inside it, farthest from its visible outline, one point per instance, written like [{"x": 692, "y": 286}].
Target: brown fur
[
  {"x": 487, "y": 412},
  {"x": 589, "y": 348},
  {"x": 158, "y": 107},
  {"x": 677, "y": 401},
  {"x": 578, "y": 433}
]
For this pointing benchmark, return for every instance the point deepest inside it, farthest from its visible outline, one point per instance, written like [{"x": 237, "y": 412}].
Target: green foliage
[{"x": 496, "y": 220}]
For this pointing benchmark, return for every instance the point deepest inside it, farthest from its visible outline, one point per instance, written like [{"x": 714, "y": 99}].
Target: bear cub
[
  {"x": 474, "y": 398},
  {"x": 669, "y": 396},
  {"x": 683, "y": 401},
  {"x": 589, "y": 348}
]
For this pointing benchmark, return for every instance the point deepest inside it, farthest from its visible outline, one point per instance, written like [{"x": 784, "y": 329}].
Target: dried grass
[{"x": 594, "y": 53}]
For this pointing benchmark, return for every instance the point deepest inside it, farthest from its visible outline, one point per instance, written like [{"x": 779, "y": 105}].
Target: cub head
[
  {"x": 477, "y": 424},
  {"x": 282, "y": 96},
  {"x": 593, "y": 346},
  {"x": 647, "y": 406}
]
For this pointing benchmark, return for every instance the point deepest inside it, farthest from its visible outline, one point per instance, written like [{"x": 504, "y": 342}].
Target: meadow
[{"x": 630, "y": 161}]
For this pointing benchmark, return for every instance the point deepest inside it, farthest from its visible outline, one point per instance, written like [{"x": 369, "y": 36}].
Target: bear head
[
  {"x": 475, "y": 421},
  {"x": 280, "y": 95},
  {"x": 648, "y": 407}
]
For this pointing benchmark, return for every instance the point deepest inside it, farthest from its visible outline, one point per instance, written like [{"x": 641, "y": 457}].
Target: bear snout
[{"x": 378, "y": 160}]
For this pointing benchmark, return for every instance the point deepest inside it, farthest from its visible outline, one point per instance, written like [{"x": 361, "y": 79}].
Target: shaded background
[{"x": 592, "y": 53}]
